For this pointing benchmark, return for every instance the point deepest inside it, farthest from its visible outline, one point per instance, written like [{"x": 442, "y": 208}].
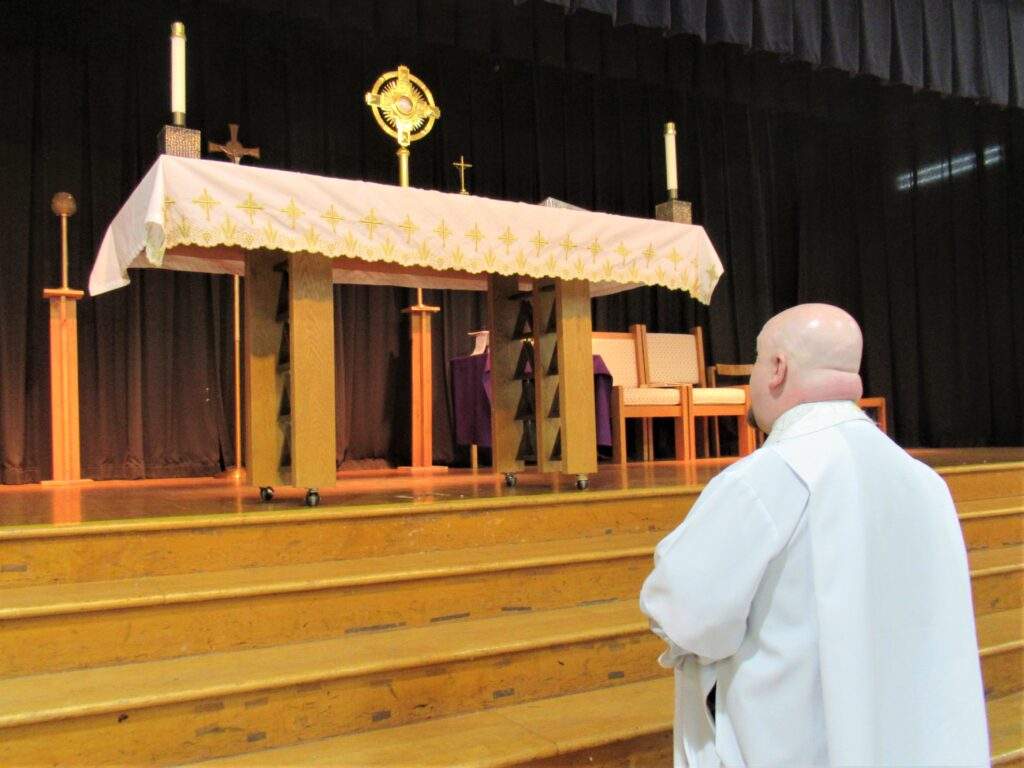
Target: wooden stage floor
[{"x": 27, "y": 505}]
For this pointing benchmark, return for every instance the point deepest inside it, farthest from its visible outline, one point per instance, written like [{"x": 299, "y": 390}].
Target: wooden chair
[
  {"x": 737, "y": 374},
  {"x": 677, "y": 360},
  {"x": 623, "y": 354}
]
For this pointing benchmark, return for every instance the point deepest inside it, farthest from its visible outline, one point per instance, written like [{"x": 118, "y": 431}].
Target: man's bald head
[{"x": 808, "y": 353}]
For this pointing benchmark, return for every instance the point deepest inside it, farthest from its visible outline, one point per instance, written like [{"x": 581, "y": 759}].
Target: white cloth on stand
[{"x": 822, "y": 584}]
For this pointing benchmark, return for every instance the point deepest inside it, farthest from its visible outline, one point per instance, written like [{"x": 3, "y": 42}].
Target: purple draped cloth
[{"x": 471, "y": 395}]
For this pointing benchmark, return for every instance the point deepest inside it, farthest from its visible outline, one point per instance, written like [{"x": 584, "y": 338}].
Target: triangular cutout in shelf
[
  {"x": 553, "y": 365},
  {"x": 552, "y": 321},
  {"x": 282, "y": 298},
  {"x": 524, "y": 321},
  {"x": 525, "y": 409},
  {"x": 554, "y": 412},
  {"x": 527, "y": 445},
  {"x": 556, "y": 449},
  {"x": 286, "y": 451},
  {"x": 524, "y": 367},
  {"x": 284, "y": 410},
  {"x": 284, "y": 355}
]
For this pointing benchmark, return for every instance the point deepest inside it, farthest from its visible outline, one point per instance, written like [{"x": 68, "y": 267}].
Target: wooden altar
[{"x": 292, "y": 235}]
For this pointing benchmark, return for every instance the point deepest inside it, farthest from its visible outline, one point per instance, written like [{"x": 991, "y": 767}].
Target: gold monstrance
[{"x": 404, "y": 108}]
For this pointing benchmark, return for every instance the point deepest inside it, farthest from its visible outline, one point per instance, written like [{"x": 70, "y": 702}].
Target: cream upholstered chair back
[
  {"x": 673, "y": 359},
  {"x": 619, "y": 352}
]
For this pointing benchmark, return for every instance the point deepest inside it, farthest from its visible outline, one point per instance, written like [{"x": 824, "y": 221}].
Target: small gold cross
[
  {"x": 371, "y": 221},
  {"x": 409, "y": 228},
  {"x": 332, "y": 217},
  {"x": 443, "y": 232},
  {"x": 539, "y": 241},
  {"x": 206, "y": 202},
  {"x": 475, "y": 235},
  {"x": 233, "y": 148},
  {"x": 507, "y": 238},
  {"x": 293, "y": 212},
  {"x": 250, "y": 206},
  {"x": 567, "y": 245},
  {"x": 462, "y": 165}
]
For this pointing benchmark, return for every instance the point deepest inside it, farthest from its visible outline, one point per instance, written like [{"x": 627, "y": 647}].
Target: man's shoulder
[{"x": 765, "y": 475}]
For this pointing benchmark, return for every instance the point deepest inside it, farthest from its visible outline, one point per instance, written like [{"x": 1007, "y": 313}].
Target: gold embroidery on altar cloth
[
  {"x": 371, "y": 221},
  {"x": 442, "y": 231},
  {"x": 250, "y": 206},
  {"x": 332, "y": 217},
  {"x": 507, "y": 238},
  {"x": 409, "y": 227},
  {"x": 293, "y": 212},
  {"x": 567, "y": 245},
  {"x": 538, "y": 242},
  {"x": 206, "y": 202},
  {"x": 476, "y": 236}
]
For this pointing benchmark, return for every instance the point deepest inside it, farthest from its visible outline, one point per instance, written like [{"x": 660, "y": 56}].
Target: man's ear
[{"x": 779, "y": 369}]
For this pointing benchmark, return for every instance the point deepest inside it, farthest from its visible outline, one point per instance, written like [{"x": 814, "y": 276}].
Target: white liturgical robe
[{"x": 822, "y": 584}]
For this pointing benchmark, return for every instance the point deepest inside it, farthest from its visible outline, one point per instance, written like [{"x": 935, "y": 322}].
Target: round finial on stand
[{"x": 63, "y": 204}]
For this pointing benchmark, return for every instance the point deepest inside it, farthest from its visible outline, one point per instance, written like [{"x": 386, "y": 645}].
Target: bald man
[{"x": 816, "y": 601}]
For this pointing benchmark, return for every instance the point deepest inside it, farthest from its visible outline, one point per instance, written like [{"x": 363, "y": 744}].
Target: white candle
[
  {"x": 671, "y": 180},
  {"x": 178, "y": 71}
]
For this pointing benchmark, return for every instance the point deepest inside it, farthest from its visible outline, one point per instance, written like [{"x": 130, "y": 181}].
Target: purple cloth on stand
[{"x": 471, "y": 397}]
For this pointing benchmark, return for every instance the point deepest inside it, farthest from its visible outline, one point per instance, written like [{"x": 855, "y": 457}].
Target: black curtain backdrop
[
  {"x": 971, "y": 48},
  {"x": 904, "y": 208}
]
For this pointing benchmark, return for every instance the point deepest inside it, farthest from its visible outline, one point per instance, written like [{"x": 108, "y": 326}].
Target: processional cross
[{"x": 233, "y": 148}]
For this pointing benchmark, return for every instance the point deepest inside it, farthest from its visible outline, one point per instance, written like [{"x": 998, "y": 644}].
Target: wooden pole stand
[
  {"x": 67, "y": 462},
  {"x": 422, "y": 456}
]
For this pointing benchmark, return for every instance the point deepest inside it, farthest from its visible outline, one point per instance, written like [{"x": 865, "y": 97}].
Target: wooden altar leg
[
  {"x": 576, "y": 372},
  {"x": 67, "y": 463},
  {"x": 265, "y": 391},
  {"x": 311, "y": 322}
]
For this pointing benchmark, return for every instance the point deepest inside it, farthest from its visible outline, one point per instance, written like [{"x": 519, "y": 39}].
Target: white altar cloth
[{"x": 201, "y": 215}]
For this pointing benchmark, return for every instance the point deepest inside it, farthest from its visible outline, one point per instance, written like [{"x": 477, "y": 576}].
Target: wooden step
[
  {"x": 50, "y": 628},
  {"x": 566, "y": 730},
  {"x": 1006, "y": 729},
  {"x": 69, "y": 626},
  {"x": 984, "y": 481},
  {"x": 1001, "y": 645},
  {"x": 31, "y": 555},
  {"x": 997, "y": 578},
  {"x": 229, "y": 703},
  {"x": 101, "y": 551},
  {"x": 561, "y": 731},
  {"x": 991, "y": 523}
]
